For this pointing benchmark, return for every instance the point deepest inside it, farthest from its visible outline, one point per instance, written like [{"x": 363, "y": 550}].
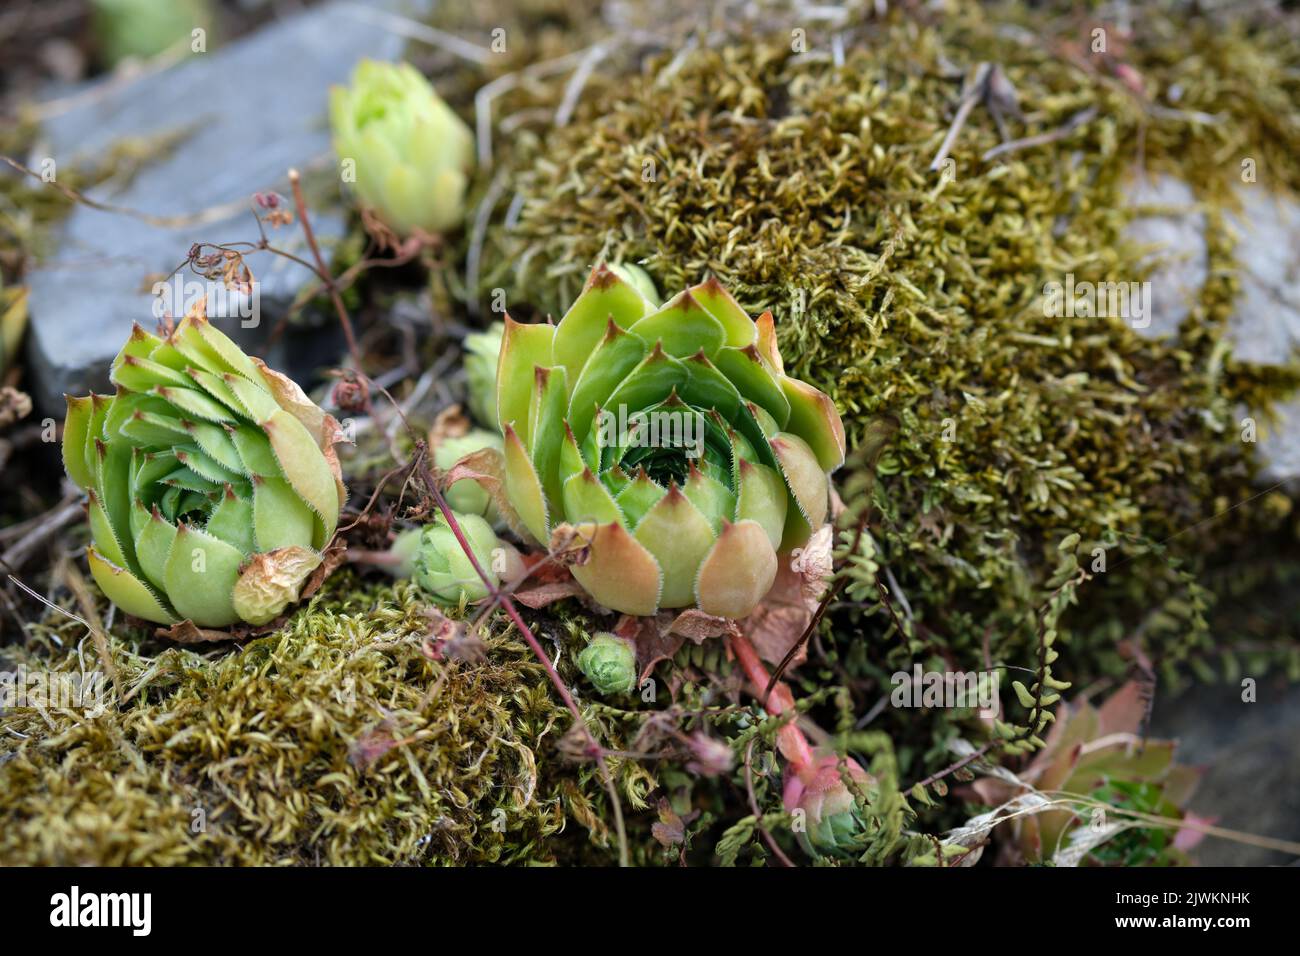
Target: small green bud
[
  {"x": 467, "y": 495},
  {"x": 481, "y": 352},
  {"x": 638, "y": 279},
  {"x": 609, "y": 662},
  {"x": 443, "y": 569},
  {"x": 408, "y": 155}
]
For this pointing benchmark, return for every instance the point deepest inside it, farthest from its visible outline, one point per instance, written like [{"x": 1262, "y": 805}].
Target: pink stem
[
  {"x": 793, "y": 744},
  {"x": 499, "y": 596}
]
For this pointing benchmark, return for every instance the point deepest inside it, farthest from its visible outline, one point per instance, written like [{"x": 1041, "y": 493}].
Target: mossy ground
[
  {"x": 333, "y": 741},
  {"x": 803, "y": 183}
]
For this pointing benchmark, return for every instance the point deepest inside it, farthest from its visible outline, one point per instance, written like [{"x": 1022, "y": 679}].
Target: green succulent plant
[
  {"x": 440, "y": 565},
  {"x": 211, "y": 479},
  {"x": 833, "y": 824},
  {"x": 145, "y": 28},
  {"x": 467, "y": 495},
  {"x": 669, "y": 441},
  {"x": 482, "y": 349},
  {"x": 412, "y": 154},
  {"x": 609, "y": 662}
]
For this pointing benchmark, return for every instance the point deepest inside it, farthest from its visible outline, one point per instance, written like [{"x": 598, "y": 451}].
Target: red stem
[
  {"x": 793, "y": 744},
  {"x": 322, "y": 270},
  {"x": 500, "y": 597}
]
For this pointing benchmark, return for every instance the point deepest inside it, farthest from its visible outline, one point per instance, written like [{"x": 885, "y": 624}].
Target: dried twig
[
  {"x": 321, "y": 270},
  {"x": 1042, "y": 139},
  {"x": 59, "y": 517},
  {"x": 970, "y": 96}
]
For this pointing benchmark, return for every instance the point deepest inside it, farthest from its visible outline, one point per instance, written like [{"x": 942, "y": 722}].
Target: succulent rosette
[
  {"x": 212, "y": 481},
  {"x": 609, "y": 662},
  {"x": 668, "y": 441},
  {"x": 413, "y": 155},
  {"x": 467, "y": 495},
  {"x": 833, "y": 825},
  {"x": 441, "y": 565}
]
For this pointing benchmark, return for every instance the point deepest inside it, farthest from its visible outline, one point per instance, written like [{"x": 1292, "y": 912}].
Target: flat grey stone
[
  {"x": 1251, "y": 756},
  {"x": 1279, "y": 445},
  {"x": 1265, "y": 325},
  {"x": 252, "y": 110},
  {"x": 1174, "y": 228}
]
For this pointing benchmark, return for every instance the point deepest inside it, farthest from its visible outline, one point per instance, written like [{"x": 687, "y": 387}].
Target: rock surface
[
  {"x": 1251, "y": 755},
  {"x": 1175, "y": 231},
  {"x": 1265, "y": 326},
  {"x": 240, "y": 138}
]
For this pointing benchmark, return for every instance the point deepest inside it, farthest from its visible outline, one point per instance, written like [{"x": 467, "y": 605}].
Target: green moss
[
  {"x": 805, "y": 186},
  {"x": 333, "y": 741}
]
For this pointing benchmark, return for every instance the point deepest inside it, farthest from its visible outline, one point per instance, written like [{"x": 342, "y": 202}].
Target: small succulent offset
[
  {"x": 212, "y": 480},
  {"x": 412, "y": 154},
  {"x": 609, "y": 662},
  {"x": 668, "y": 441},
  {"x": 441, "y": 567},
  {"x": 467, "y": 495},
  {"x": 482, "y": 350},
  {"x": 833, "y": 823}
]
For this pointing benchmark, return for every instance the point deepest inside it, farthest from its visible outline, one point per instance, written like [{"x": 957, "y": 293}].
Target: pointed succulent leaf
[
  {"x": 203, "y": 462},
  {"x": 620, "y": 572},
  {"x": 679, "y": 537},
  {"x": 738, "y": 570},
  {"x": 126, "y": 590},
  {"x": 606, "y": 297},
  {"x": 677, "y": 448},
  {"x": 523, "y": 487},
  {"x": 682, "y": 327},
  {"x": 524, "y": 348}
]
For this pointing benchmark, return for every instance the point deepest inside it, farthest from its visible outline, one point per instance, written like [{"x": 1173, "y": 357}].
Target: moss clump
[
  {"x": 804, "y": 184},
  {"x": 334, "y": 741}
]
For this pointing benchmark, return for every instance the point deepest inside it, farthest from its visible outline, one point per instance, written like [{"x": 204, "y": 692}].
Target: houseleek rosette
[
  {"x": 443, "y": 568},
  {"x": 833, "y": 823},
  {"x": 412, "y": 154},
  {"x": 212, "y": 480},
  {"x": 609, "y": 662},
  {"x": 695, "y": 517}
]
